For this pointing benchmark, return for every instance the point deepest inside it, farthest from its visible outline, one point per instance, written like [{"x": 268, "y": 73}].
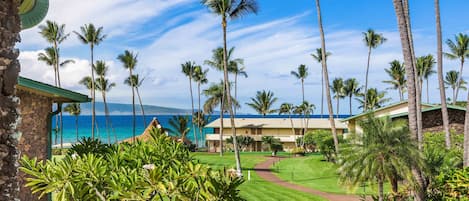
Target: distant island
[{"x": 126, "y": 109}]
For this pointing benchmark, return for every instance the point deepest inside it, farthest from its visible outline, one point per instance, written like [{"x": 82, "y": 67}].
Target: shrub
[
  {"x": 274, "y": 144},
  {"x": 298, "y": 151},
  {"x": 159, "y": 169},
  {"x": 243, "y": 141},
  {"x": 324, "y": 142},
  {"x": 453, "y": 184},
  {"x": 88, "y": 145}
]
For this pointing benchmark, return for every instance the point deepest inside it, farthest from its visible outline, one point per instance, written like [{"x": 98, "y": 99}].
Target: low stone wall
[
  {"x": 34, "y": 110},
  {"x": 432, "y": 121}
]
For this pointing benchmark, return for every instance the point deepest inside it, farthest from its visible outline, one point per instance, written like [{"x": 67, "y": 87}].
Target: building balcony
[{"x": 283, "y": 138}]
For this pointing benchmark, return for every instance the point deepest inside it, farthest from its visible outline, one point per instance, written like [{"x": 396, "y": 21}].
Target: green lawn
[
  {"x": 256, "y": 188},
  {"x": 311, "y": 171}
]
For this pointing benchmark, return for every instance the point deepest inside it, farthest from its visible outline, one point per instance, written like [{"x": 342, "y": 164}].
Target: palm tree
[
  {"x": 425, "y": 66},
  {"x": 230, "y": 10},
  {"x": 396, "y": 72},
  {"x": 200, "y": 77},
  {"x": 339, "y": 91},
  {"x": 274, "y": 144},
  {"x": 301, "y": 74},
  {"x": 459, "y": 51},
  {"x": 188, "y": 70},
  {"x": 75, "y": 110},
  {"x": 318, "y": 58},
  {"x": 129, "y": 60},
  {"x": 305, "y": 109},
  {"x": 86, "y": 81},
  {"x": 288, "y": 108},
  {"x": 136, "y": 82},
  {"x": 263, "y": 102},
  {"x": 375, "y": 99},
  {"x": 10, "y": 26},
  {"x": 103, "y": 85},
  {"x": 385, "y": 151},
  {"x": 451, "y": 80},
  {"x": 326, "y": 78},
  {"x": 237, "y": 68},
  {"x": 179, "y": 126},
  {"x": 351, "y": 88},
  {"x": 372, "y": 41},
  {"x": 92, "y": 36},
  {"x": 444, "y": 108}
]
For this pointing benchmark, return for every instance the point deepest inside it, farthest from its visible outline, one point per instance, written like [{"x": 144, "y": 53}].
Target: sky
[{"x": 167, "y": 33}]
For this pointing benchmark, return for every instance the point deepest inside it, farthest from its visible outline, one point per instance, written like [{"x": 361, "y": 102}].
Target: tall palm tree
[
  {"x": 318, "y": 57},
  {"x": 200, "y": 77},
  {"x": 136, "y": 82},
  {"x": 401, "y": 8},
  {"x": 188, "y": 70},
  {"x": 326, "y": 77},
  {"x": 263, "y": 102},
  {"x": 10, "y": 26},
  {"x": 384, "y": 152},
  {"x": 237, "y": 68},
  {"x": 459, "y": 51},
  {"x": 287, "y": 108},
  {"x": 92, "y": 36},
  {"x": 305, "y": 109},
  {"x": 372, "y": 41},
  {"x": 129, "y": 61},
  {"x": 396, "y": 72},
  {"x": 451, "y": 80},
  {"x": 179, "y": 125},
  {"x": 444, "y": 108},
  {"x": 301, "y": 74},
  {"x": 230, "y": 10},
  {"x": 375, "y": 100},
  {"x": 74, "y": 110},
  {"x": 103, "y": 85},
  {"x": 425, "y": 66},
  {"x": 86, "y": 81},
  {"x": 351, "y": 88},
  {"x": 339, "y": 91}
]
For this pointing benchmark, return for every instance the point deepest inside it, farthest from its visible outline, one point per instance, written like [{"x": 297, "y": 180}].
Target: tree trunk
[
  {"x": 76, "y": 126},
  {"x": 192, "y": 104},
  {"x": 199, "y": 111},
  {"x": 326, "y": 79},
  {"x": 380, "y": 189},
  {"x": 366, "y": 78},
  {"x": 134, "y": 123},
  {"x": 458, "y": 86},
  {"x": 228, "y": 98},
  {"x": 441, "y": 84},
  {"x": 322, "y": 93},
  {"x": 292, "y": 128},
  {"x": 106, "y": 116},
  {"x": 466, "y": 137},
  {"x": 454, "y": 96},
  {"x": 9, "y": 69},
  {"x": 350, "y": 104},
  {"x": 337, "y": 112},
  {"x": 221, "y": 124},
  {"x": 93, "y": 95},
  {"x": 399, "y": 88},
  {"x": 141, "y": 107},
  {"x": 303, "y": 89},
  {"x": 236, "y": 90},
  {"x": 394, "y": 184}
]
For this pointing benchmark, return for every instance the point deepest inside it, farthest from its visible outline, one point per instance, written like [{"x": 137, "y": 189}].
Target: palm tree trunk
[
  {"x": 303, "y": 88},
  {"x": 466, "y": 137},
  {"x": 380, "y": 189},
  {"x": 192, "y": 116},
  {"x": 322, "y": 93},
  {"x": 366, "y": 78},
  {"x": 337, "y": 112},
  {"x": 199, "y": 111},
  {"x": 350, "y": 104},
  {"x": 458, "y": 86},
  {"x": 141, "y": 107},
  {"x": 428, "y": 94},
  {"x": 404, "y": 28},
  {"x": 441, "y": 84},
  {"x": 76, "y": 126},
  {"x": 57, "y": 120},
  {"x": 57, "y": 64},
  {"x": 399, "y": 89},
  {"x": 221, "y": 122},
  {"x": 236, "y": 90},
  {"x": 134, "y": 123},
  {"x": 106, "y": 116},
  {"x": 93, "y": 96},
  {"x": 326, "y": 79},
  {"x": 454, "y": 96},
  {"x": 228, "y": 98},
  {"x": 9, "y": 33},
  {"x": 292, "y": 128}
]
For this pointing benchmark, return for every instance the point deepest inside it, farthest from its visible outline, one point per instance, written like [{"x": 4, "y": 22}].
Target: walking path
[{"x": 263, "y": 170}]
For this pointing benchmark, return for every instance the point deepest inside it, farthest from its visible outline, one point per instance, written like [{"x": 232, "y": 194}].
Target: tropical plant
[
  {"x": 351, "y": 88},
  {"x": 339, "y": 91},
  {"x": 129, "y": 61},
  {"x": 92, "y": 36},
  {"x": 301, "y": 74},
  {"x": 200, "y": 77},
  {"x": 288, "y": 108},
  {"x": 74, "y": 110},
  {"x": 459, "y": 51},
  {"x": 179, "y": 126},
  {"x": 243, "y": 141},
  {"x": 385, "y": 151},
  {"x": 305, "y": 109},
  {"x": 88, "y": 145},
  {"x": 318, "y": 57},
  {"x": 326, "y": 77},
  {"x": 104, "y": 85},
  {"x": 263, "y": 102},
  {"x": 273, "y": 143},
  {"x": 188, "y": 69},
  {"x": 396, "y": 72},
  {"x": 237, "y": 67},
  {"x": 322, "y": 140},
  {"x": 372, "y": 41},
  {"x": 136, "y": 82},
  {"x": 376, "y": 99},
  {"x": 451, "y": 80},
  {"x": 230, "y": 10},
  {"x": 425, "y": 66}
]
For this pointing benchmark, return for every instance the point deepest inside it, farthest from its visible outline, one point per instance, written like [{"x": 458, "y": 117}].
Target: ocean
[{"x": 122, "y": 126}]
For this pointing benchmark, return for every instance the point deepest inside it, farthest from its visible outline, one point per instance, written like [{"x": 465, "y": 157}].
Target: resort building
[
  {"x": 431, "y": 117},
  {"x": 258, "y": 127},
  {"x": 36, "y": 111}
]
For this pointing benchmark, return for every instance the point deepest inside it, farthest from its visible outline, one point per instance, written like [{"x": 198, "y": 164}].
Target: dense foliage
[
  {"x": 243, "y": 141},
  {"x": 273, "y": 144},
  {"x": 322, "y": 141},
  {"x": 159, "y": 169}
]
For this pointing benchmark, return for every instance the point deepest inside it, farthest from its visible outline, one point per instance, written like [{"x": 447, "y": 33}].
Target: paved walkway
[{"x": 263, "y": 170}]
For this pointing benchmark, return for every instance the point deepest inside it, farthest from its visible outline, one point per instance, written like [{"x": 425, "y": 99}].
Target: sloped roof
[
  {"x": 57, "y": 94},
  {"x": 313, "y": 123},
  {"x": 438, "y": 107},
  {"x": 146, "y": 133},
  {"x": 382, "y": 108}
]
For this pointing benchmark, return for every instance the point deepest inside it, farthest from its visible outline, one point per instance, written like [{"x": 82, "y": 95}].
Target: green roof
[
  {"x": 379, "y": 109},
  {"x": 32, "y": 12},
  {"x": 57, "y": 94},
  {"x": 438, "y": 107}
]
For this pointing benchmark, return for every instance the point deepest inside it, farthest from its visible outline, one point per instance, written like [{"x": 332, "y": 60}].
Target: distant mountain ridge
[{"x": 126, "y": 109}]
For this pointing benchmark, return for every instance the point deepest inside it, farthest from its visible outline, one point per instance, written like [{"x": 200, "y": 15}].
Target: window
[
  {"x": 216, "y": 130},
  {"x": 298, "y": 131},
  {"x": 259, "y": 131}
]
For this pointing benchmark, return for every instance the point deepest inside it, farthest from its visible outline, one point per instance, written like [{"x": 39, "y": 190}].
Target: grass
[
  {"x": 257, "y": 188},
  {"x": 313, "y": 172}
]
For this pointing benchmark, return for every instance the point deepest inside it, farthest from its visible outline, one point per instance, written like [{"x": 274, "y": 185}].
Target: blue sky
[{"x": 166, "y": 33}]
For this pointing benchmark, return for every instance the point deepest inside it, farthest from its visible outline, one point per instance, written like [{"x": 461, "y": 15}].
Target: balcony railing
[{"x": 283, "y": 138}]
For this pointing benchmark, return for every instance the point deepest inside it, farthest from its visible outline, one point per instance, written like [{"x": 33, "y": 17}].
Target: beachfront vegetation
[
  {"x": 129, "y": 61},
  {"x": 263, "y": 102},
  {"x": 451, "y": 80},
  {"x": 104, "y": 85},
  {"x": 74, "y": 110},
  {"x": 318, "y": 57},
  {"x": 397, "y": 79}
]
